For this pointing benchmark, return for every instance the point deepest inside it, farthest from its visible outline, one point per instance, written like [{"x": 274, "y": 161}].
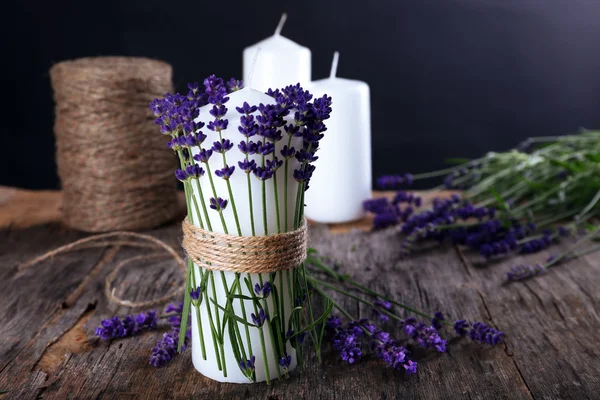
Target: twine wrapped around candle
[
  {"x": 248, "y": 254},
  {"x": 113, "y": 170}
]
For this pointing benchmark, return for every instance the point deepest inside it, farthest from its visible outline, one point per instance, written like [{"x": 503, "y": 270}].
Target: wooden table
[{"x": 49, "y": 312}]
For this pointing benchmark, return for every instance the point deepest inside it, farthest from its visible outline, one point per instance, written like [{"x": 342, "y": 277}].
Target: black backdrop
[{"x": 449, "y": 78}]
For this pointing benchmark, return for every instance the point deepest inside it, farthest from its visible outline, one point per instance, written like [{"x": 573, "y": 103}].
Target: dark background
[{"x": 449, "y": 78}]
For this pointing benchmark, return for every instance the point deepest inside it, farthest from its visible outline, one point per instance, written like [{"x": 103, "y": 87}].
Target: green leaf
[
  {"x": 232, "y": 315},
  {"x": 311, "y": 251},
  {"x": 566, "y": 165},
  {"x": 326, "y": 313},
  {"x": 186, "y": 306}
]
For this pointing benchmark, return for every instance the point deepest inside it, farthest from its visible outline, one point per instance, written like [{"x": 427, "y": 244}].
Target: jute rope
[
  {"x": 250, "y": 254},
  {"x": 115, "y": 171},
  {"x": 108, "y": 239}
]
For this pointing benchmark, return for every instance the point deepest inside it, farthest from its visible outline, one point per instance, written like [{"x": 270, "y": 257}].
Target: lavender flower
[
  {"x": 381, "y": 305},
  {"x": 234, "y": 85},
  {"x": 263, "y": 173},
  {"x": 285, "y": 361},
  {"x": 425, "y": 336},
  {"x": 203, "y": 156},
  {"x": 264, "y": 290},
  {"x": 435, "y": 321},
  {"x": 265, "y": 148},
  {"x": 481, "y": 332},
  {"x": 195, "y": 294},
  {"x": 248, "y": 147},
  {"x": 219, "y": 204},
  {"x": 522, "y": 272},
  {"x": 287, "y": 152},
  {"x": 114, "y": 327},
  {"x": 260, "y": 319},
  {"x": 247, "y": 366},
  {"x": 194, "y": 171},
  {"x": 222, "y": 146},
  {"x": 247, "y": 166},
  {"x": 461, "y": 327},
  {"x": 181, "y": 175},
  {"x": 392, "y": 181},
  {"x": 225, "y": 172},
  {"x": 246, "y": 109}
]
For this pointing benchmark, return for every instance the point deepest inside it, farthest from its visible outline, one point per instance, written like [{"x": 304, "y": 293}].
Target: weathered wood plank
[{"x": 553, "y": 323}]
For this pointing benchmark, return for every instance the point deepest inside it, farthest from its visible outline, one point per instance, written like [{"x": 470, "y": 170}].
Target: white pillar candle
[
  {"x": 239, "y": 185},
  {"x": 342, "y": 179},
  {"x": 282, "y": 62}
]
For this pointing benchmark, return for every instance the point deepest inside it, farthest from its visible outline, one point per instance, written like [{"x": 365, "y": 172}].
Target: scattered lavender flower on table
[
  {"x": 435, "y": 321},
  {"x": 393, "y": 181},
  {"x": 116, "y": 327},
  {"x": 423, "y": 335},
  {"x": 522, "y": 272},
  {"x": 285, "y": 361},
  {"x": 379, "y": 306},
  {"x": 461, "y": 327}
]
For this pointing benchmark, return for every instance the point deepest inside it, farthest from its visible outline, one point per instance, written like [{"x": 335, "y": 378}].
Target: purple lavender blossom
[
  {"x": 264, "y": 290},
  {"x": 246, "y": 109},
  {"x": 181, "y": 175},
  {"x": 247, "y": 166},
  {"x": 203, "y": 156},
  {"x": 461, "y": 327},
  {"x": 225, "y": 172},
  {"x": 481, "y": 332},
  {"x": 381, "y": 305},
  {"x": 218, "y": 204},
  {"x": 194, "y": 171},
  {"x": 265, "y": 148},
  {"x": 260, "y": 319},
  {"x": 263, "y": 173},
  {"x": 423, "y": 335},
  {"x": 436, "y": 320},
  {"x": 248, "y": 147},
  {"x": 222, "y": 146},
  {"x": 393, "y": 181},
  {"x": 285, "y": 361},
  {"x": 196, "y": 293},
  {"x": 274, "y": 164},
  {"x": 247, "y": 366},
  {"x": 287, "y": 152},
  {"x": 115, "y": 327},
  {"x": 234, "y": 85},
  {"x": 522, "y": 272}
]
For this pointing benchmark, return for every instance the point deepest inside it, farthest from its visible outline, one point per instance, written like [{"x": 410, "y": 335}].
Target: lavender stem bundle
[
  {"x": 521, "y": 201},
  {"x": 245, "y": 325}
]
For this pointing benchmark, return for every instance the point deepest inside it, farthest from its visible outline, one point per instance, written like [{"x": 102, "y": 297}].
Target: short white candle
[
  {"x": 342, "y": 179},
  {"x": 282, "y": 62},
  {"x": 240, "y": 191}
]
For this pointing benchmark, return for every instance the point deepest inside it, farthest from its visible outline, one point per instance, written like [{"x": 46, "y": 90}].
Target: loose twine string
[
  {"x": 209, "y": 250},
  {"x": 247, "y": 254},
  {"x": 108, "y": 239},
  {"x": 113, "y": 167}
]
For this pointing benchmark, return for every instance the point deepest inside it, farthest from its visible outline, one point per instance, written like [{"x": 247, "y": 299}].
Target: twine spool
[
  {"x": 113, "y": 167},
  {"x": 248, "y": 254}
]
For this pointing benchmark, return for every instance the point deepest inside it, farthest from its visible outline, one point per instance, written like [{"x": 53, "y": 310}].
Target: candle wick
[
  {"x": 334, "y": 64},
  {"x": 252, "y": 68},
  {"x": 281, "y": 23}
]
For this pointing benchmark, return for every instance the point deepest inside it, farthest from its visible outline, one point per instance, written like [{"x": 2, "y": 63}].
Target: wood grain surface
[{"x": 49, "y": 312}]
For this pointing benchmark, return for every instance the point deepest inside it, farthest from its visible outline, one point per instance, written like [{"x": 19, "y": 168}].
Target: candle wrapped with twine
[
  {"x": 245, "y": 161},
  {"x": 114, "y": 172}
]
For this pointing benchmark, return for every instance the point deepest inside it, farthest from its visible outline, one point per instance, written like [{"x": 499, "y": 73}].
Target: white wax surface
[
  {"x": 239, "y": 185},
  {"x": 281, "y": 62},
  {"x": 342, "y": 179}
]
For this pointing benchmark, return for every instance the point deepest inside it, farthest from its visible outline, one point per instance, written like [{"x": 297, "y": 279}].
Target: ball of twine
[{"x": 112, "y": 163}]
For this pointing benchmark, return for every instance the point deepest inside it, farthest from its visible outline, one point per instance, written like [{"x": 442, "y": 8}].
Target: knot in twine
[
  {"x": 113, "y": 166},
  {"x": 249, "y": 254}
]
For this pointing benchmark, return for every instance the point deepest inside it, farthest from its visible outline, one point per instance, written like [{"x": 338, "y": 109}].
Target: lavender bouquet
[{"x": 522, "y": 201}]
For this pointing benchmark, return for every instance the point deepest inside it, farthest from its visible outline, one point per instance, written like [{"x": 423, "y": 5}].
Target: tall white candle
[
  {"x": 242, "y": 197},
  {"x": 282, "y": 62},
  {"x": 342, "y": 179}
]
